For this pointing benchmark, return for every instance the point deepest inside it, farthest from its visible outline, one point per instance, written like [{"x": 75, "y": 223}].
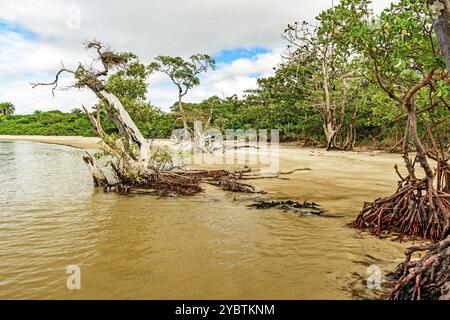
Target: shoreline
[
  {"x": 71, "y": 141},
  {"x": 92, "y": 143},
  {"x": 340, "y": 181},
  {"x": 215, "y": 227}
]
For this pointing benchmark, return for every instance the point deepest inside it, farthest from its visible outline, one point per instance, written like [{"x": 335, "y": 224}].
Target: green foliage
[
  {"x": 47, "y": 123},
  {"x": 162, "y": 157},
  {"x": 152, "y": 122},
  {"x": 183, "y": 73}
]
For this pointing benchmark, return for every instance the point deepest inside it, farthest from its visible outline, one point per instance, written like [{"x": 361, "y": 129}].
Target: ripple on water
[{"x": 208, "y": 246}]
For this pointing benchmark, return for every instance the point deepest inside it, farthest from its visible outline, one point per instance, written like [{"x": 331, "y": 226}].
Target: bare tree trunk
[
  {"x": 408, "y": 102},
  {"x": 129, "y": 130},
  {"x": 330, "y": 136},
  {"x": 97, "y": 174},
  {"x": 328, "y": 125},
  {"x": 440, "y": 13},
  {"x": 420, "y": 150},
  {"x": 405, "y": 152},
  {"x": 350, "y": 138},
  {"x": 180, "y": 105}
]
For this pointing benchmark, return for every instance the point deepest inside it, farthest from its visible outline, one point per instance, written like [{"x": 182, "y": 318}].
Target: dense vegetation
[
  {"x": 155, "y": 124},
  {"x": 378, "y": 122}
]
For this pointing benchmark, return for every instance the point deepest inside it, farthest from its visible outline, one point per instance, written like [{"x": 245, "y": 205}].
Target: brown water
[{"x": 142, "y": 247}]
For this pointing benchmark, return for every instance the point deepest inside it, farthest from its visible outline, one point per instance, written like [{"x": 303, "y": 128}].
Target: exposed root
[
  {"x": 443, "y": 176},
  {"x": 180, "y": 182},
  {"x": 304, "y": 208},
  {"x": 416, "y": 210},
  {"x": 163, "y": 184},
  {"x": 233, "y": 186},
  {"x": 427, "y": 278}
]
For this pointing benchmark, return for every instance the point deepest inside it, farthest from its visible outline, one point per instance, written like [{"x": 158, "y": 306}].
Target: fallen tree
[{"x": 135, "y": 166}]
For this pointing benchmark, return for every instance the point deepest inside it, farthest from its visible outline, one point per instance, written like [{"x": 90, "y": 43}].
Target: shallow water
[{"x": 142, "y": 247}]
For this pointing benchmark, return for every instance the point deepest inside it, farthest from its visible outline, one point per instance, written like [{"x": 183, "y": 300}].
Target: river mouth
[{"x": 210, "y": 246}]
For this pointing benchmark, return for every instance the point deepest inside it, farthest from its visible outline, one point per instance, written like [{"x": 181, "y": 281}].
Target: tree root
[
  {"x": 164, "y": 183},
  {"x": 233, "y": 185},
  {"x": 427, "y": 278},
  {"x": 416, "y": 210}
]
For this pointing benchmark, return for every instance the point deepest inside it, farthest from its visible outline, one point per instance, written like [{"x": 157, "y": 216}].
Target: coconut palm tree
[{"x": 7, "y": 108}]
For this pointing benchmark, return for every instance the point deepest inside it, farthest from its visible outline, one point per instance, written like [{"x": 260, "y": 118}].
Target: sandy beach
[
  {"x": 73, "y": 141},
  {"x": 220, "y": 242},
  {"x": 337, "y": 180}
]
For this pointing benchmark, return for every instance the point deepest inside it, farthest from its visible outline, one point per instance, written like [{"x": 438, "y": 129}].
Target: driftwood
[
  {"x": 302, "y": 208},
  {"x": 97, "y": 174}
]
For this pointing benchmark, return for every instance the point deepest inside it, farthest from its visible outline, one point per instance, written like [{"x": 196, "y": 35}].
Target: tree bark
[
  {"x": 408, "y": 102},
  {"x": 330, "y": 135},
  {"x": 440, "y": 13},
  {"x": 128, "y": 129},
  {"x": 420, "y": 150},
  {"x": 180, "y": 105},
  {"x": 350, "y": 138},
  {"x": 97, "y": 174}
]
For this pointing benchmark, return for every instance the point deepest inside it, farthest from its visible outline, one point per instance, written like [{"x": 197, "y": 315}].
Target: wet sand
[
  {"x": 72, "y": 141},
  {"x": 215, "y": 247},
  {"x": 337, "y": 180}
]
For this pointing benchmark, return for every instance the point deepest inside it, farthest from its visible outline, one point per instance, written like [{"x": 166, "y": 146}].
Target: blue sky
[
  {"x": 16, "y": 28},
  {"x": 227, "y": 56}
]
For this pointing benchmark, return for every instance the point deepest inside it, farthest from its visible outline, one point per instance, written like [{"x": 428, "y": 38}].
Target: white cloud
[
  {"x": 41, "y": 98},
  {"x": 148, "y": 28},
  {"x": 226, "y": 80}
]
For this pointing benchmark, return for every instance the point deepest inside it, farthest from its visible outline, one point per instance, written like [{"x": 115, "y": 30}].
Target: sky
[{"x": 244, "y": 36}]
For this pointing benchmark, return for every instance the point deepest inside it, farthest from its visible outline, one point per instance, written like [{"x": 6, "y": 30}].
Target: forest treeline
[
  {"x": 323, "y": 93},
  {"x": 376, "y": 125}
]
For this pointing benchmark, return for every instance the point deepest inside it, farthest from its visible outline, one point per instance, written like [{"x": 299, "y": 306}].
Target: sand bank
[
  {"x": 73, "y": 141},
  {"x": 340, "y": 181}
]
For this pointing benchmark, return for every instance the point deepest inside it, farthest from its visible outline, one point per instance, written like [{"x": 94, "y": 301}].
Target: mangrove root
[
  {"x": 416, "y": 210},
  {"x": 179, "y": 182},
  {"x": 427, "y": 278}
]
